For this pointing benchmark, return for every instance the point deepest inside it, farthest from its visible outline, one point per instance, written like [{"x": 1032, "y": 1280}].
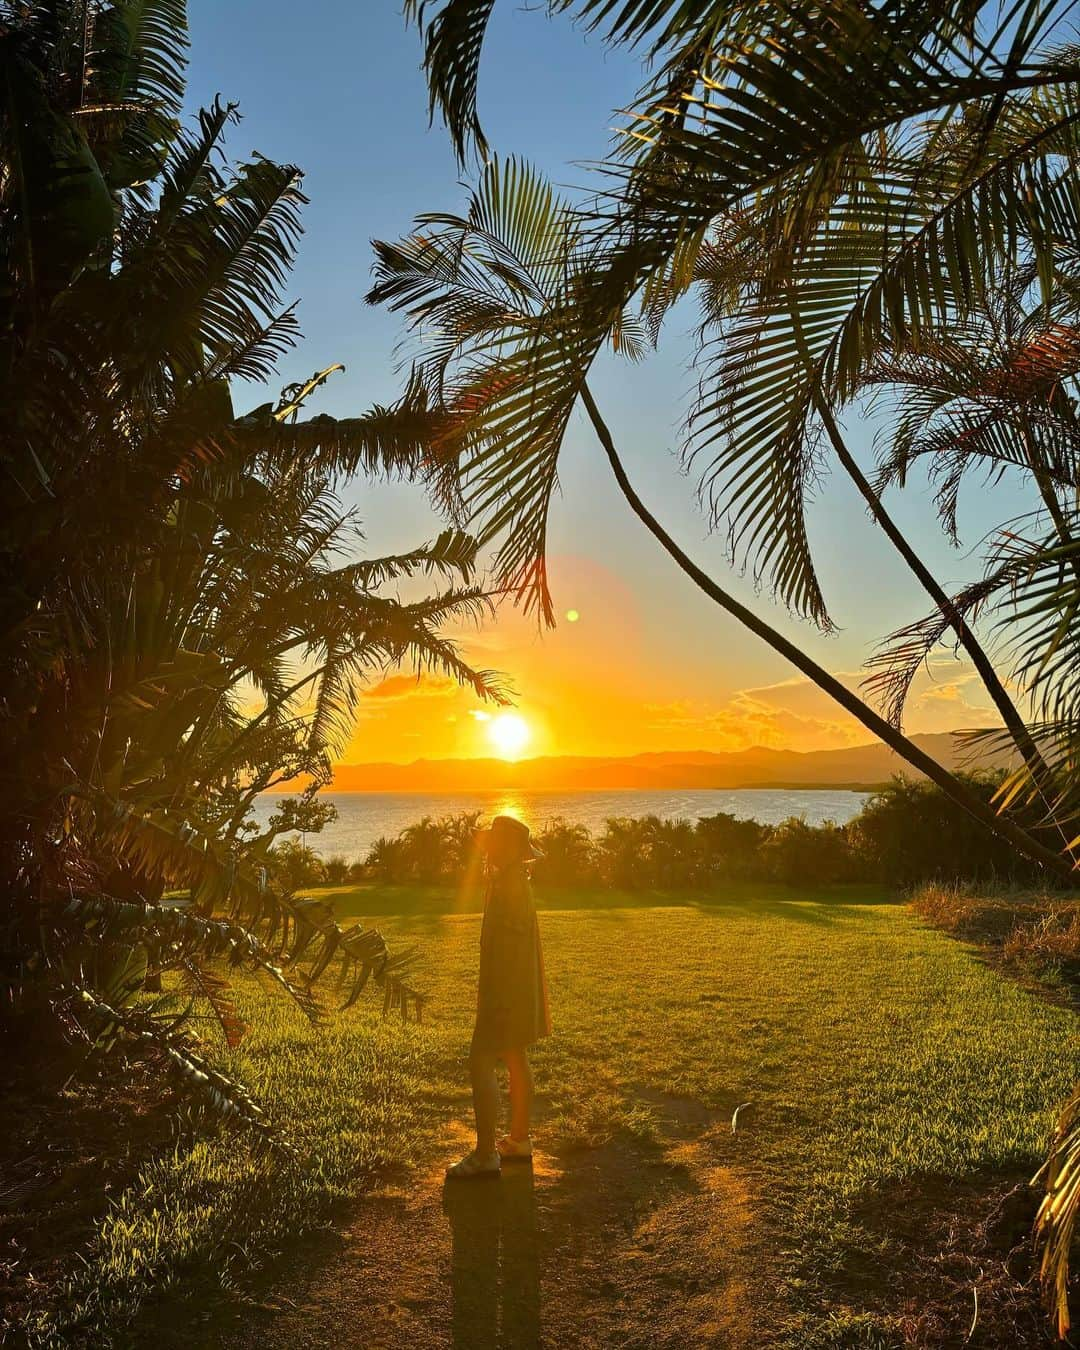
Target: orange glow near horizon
[{"x": 603, "y": 682}]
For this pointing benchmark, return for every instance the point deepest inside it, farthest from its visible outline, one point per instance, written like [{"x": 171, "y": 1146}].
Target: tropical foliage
[
  {"x": 186, "y": 619},
  {"x": 868, "y": 202},
  {"x": 484, "y": 288},
  {"x": 906, "y": 833}
]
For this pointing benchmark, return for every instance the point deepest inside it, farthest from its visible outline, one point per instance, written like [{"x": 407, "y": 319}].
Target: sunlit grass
[
  {"x": 354, "y": 1098},
  {"x": 872, "y": 1050}
]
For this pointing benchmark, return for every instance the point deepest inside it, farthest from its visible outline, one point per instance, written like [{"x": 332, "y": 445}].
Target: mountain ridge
[{"x": 866, "y": 765}]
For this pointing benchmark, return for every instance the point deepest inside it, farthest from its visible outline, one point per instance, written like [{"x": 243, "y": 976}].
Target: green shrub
[
  {"x": 910, "y": 832},
  {"x": 907, "y": 833},
  {"x": 732, "y": 848},
  {"x": 429, "y": 852},
  {"x": 809, "y": 855},
  {"x": 569, "y": 856},
  {"x": 388, "y": 860},
  {"x": 297, "y": 864},
  {"x": 336, "y": 870}
]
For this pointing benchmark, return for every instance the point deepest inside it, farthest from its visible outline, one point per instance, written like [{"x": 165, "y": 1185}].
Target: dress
[{"x": 512, "y": 998}]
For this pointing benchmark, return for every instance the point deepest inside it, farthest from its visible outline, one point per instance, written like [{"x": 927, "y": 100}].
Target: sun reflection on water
[
  {"x": 512, "y": 805},
  {"x": 470, "y": 889}
]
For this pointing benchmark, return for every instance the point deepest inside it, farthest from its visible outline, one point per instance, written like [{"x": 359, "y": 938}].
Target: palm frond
[
  {"x": 496, "y": 294},
  {"x": 399, "y": 439},
  {"x": 135, "y": 67},
  {"x": 755, "y": 425},
  {"x": 212, "y": 1089},
  {"x": 214, "y": 989},
  {"x": 139, "y": 52},
  {"x": 1055, "y": 1224},
  {"x": 675, "y": 34},
  {"x": 453, "y": 553},
  {"x": 903, "y": 653},
  {"x": 182, "y": 937},
  {"x": 452, "y": 43}
]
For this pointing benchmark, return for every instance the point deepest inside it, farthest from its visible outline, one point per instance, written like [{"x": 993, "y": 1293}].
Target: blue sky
[{"x": 336, "y": 87}]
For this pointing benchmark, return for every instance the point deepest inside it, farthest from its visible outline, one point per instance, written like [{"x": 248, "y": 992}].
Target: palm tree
[
  {"x": 622, "y": 852},
  {"x": 844, "y": 186},
  {"x": 568, "y": 856},
  {"x": 496, "y": 292},
  {"x": 728, "y": 141},
  {"x": 988, "y": 396},
  {"x": 388, "y": 860},
  {"x": 424, "y": 845}
]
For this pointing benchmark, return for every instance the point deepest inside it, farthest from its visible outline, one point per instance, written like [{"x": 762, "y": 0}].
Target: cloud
[
  {"x": 795, "y": 714},
  {"x": 748, "y": 720},
  {"x": 413, "y": 686},
  {"x": 945, "y": 693},
  {"x": 959, "y": 690}
]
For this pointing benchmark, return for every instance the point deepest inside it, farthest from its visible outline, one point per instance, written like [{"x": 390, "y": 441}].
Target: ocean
[{"x": 364, "y": 816}]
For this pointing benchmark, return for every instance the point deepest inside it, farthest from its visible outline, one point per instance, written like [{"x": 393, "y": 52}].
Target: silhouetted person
[{"x": 512, "y": 1001}]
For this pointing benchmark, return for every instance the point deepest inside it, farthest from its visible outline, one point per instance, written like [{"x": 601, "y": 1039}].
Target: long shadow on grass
[
  {"x": 640, "y": 1242},
  {"x": 495, "y": 1270},
  {"x": 804, "y": 910},
  {"x": 371, "y": 900}
]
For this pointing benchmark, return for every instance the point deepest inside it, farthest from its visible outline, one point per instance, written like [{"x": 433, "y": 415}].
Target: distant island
[{"x": 857, "y": 767}]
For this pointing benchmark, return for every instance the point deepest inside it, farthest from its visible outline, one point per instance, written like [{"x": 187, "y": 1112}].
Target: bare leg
[
  {"x": 485, "y": 1093},
  {"x": 521, "y": 1093}
]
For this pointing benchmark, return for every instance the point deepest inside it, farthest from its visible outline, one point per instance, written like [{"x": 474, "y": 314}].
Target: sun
[{"x": 509, "y": 734}]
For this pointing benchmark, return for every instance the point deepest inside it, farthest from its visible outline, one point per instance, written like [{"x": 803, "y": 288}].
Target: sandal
[
  {"x": 515, "y": 1150},
  {"x": 474, "y": 1168}
]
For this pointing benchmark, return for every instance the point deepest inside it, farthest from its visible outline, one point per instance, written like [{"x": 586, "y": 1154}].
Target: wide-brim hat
[{"x": 509, "y": 828}]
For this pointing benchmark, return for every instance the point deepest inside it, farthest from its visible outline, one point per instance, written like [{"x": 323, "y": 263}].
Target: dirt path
[{"x": 627, "y": 1245}]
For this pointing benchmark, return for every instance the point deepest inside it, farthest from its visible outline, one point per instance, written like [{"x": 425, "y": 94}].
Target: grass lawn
[{"x": 873, "y": 1058}]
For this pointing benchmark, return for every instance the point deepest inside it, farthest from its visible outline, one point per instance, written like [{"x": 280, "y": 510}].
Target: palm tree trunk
[
  {"x": 1014, "y": 723},
  {"x": 1047, "y": 491},
  {"x": 952, "y": 787}
]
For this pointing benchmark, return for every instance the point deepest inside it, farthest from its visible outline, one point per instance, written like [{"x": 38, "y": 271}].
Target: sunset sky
[{"x": 649, "y": 664}]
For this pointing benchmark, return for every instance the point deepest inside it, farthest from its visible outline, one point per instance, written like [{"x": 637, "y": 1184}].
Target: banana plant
[{"x": 187, "y": 614}]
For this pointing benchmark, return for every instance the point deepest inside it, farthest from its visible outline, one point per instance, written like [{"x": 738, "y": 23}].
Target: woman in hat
[{"x": 512, "y": 1001}]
